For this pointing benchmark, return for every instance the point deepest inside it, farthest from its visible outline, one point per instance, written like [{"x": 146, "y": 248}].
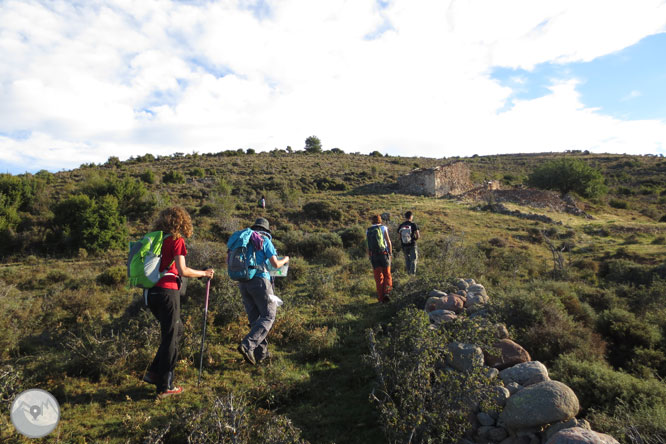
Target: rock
[
  {"x": 554, "y": 428},
  {"x": 525, "y": 374},
  {"x": 492, "y": 373},
  {"x": 497, "y": 434},
  {"x": 464, "y": 357},
  {"x": 477, "y": 289},
  {"x": 483, "y": 431},
  {"x": 579, "y": 435},
  {"x": 513, "y": 387},
  {"x": 461, "y": 284},
  {"x": 540, "y": 404},
  {"x": 441, "y": 316},
  {"x": 470, "y": 282},
  {"x": 475, "y": 301},
  {"x": 506, "y": 353},
  {"x": 485, "y": 419},
  {"x": 439, "y": 300},
  {"x": 498, "y": 395},
  {"x": 502, "y": 331},
  {"x": 462, "y": 293}
]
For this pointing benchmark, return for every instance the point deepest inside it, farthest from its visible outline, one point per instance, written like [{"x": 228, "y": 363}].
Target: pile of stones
[{"x": 533, "y": 409}]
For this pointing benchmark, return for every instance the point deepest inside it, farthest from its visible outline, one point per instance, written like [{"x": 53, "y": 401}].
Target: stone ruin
[
  {"x": 533, "y": 408},
  {"x": 451, "y": 179}
]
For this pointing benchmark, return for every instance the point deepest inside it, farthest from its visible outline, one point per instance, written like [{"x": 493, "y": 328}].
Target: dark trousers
[
  {"x": 165, "y": 305},
  {"x": 260, "y": 313}
]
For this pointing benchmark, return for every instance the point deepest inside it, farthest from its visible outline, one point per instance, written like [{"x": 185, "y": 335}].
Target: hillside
[{"x": 583, "y": 295}]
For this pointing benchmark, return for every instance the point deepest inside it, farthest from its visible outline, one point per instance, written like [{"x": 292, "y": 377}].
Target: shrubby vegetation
[{"x": 568, "y": 175}]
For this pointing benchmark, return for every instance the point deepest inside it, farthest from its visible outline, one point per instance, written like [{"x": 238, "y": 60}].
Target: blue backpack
[{"x": 241, "y": 258}]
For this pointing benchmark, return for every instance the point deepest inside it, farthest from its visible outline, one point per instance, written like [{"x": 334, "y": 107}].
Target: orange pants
[{"x": 383, "y": 281}]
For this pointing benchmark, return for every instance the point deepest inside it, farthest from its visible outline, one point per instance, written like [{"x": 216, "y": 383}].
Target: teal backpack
[
  {"x": 143, "y": 261},
  {"x": 241, "y": 259},
  {"x": 376, "y": 242}
]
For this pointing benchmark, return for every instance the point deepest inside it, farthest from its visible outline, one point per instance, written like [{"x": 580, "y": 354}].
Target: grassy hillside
[{"x": 69, "y": 325}]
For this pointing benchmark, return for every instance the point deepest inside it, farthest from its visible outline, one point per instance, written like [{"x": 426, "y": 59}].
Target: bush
[
  {"x": 310, "y": 246},
  {"x": 332, "y": 256},
  {"x": 569, "y": 175},
  {"x": 113, "y": 277},
  {"x": 352, "y": 236},
  {"x": 601, "y": 388},
  {"x": 322, "y": 211},
  {"x": 173, "y": 177},
  {"x": 625, "y": 271},
  {"x": 412, "y": 384},
  {"x": 148, "y": 176},
  {"x": 197, "y": 172},
  {"x": 619, "y": 204},
  {"x": 82, "y": 222},
  {"x": 626, "y": 333}
]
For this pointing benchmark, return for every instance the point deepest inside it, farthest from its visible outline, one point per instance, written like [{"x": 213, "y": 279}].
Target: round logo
[{"x": 35, "y": 413}]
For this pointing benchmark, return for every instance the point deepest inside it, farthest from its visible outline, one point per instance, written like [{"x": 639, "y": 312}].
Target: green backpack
[
  {"x": 143, "y": 262},
  {"x": 376, "y": 242}
]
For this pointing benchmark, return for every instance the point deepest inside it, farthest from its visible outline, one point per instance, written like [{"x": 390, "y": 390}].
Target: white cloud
[{"x": 89, "y": 80}]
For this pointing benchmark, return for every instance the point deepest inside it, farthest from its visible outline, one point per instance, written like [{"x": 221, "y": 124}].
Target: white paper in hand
[{"x": 275, "y": 299}]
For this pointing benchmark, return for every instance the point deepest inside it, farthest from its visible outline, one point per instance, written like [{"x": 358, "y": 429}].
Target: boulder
[
  {"x": 579, "y": 435},
  {"x": 540, "y": 404},
  {"x": 476, "y": 289},
  {"x": 492, "y": 373},
  {"x": 439, "y": 300},
  {"x": 462, "y": 293},
  {"x": 554, "y": 428},
  {"x": 501, "y": 331},
  {"x": 525, "y": 374},
  {"x": 441, "y": 316},
  {"x": 498, "y": 395},
  {"x": 475, "y": 301},
  {"x": 464, "y": 357},
  {"x": 497, "y": 434},
  {"x": 506, "y": 353},
  {"x": 470, "y": 282},
  {"x": 513, "y": 387},
  {"x": 461, "y": 284},
  {"x": 485, "y": 419}
]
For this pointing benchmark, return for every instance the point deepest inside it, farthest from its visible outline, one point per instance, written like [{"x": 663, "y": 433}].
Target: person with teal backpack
[
  {"x": 249, "y": 253},
  {"x": 163, "y": 283}
]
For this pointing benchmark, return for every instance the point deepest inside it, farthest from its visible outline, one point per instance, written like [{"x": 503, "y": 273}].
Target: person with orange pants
[{"x": 380, "y": 250}]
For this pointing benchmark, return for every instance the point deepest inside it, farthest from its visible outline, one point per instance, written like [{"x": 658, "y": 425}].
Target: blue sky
[
  {"x": 83, "y": 81},
  {"x": 629, "y": 84}
]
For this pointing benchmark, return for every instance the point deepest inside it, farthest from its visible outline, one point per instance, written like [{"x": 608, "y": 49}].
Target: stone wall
[{"x": 439, "y": 181}]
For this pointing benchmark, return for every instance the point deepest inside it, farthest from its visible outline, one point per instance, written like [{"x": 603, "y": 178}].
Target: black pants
[{"x": 165, "y": 305}]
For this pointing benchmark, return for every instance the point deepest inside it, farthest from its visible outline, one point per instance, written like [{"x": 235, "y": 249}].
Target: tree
[
  {"x": 312, "y": 145},
  {"x": 568, "y": 174}
]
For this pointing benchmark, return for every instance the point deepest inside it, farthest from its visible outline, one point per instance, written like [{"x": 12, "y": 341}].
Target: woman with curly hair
[{"x": 164, "y": 297}]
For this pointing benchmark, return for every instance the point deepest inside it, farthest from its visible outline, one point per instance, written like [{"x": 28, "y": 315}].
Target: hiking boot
[
  {"x": 263, "y": 360},
  {"x": 170, "y": 391},
  {"x": 385, "y": 299},
  {"x": 249, "y": 357},
  {"x": 150, "y": 378}
]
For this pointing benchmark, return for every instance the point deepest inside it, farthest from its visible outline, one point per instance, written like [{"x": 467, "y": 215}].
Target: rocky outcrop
[{"x": 506, "y": 353}]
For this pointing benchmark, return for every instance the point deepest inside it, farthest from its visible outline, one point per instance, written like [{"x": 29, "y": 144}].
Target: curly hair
[
  {"x": 175, "y": 220},
  {"x": 376, "y": 219}
]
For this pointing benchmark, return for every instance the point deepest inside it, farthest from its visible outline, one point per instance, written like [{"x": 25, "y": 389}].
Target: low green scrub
[
  {"x": 412, "y": 383},
  {"x": 310, "y": 245}
]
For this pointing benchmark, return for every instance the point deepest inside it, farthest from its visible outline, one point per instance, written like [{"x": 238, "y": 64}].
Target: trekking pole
[{"x": 203, "y": 334}]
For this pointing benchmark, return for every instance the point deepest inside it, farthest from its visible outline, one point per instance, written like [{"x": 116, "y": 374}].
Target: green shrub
[
  {"x": 148, "y": 176},
  {"x": 311, "y": 245},
  {"x": 173, "y": 177},
  {"x": 568, "y": 174},
  {"x": 601, "y": 388},
  {"x": 352, "y": 236},
  {"x": 619, "y": 204},
  {"x": 332, "y": 256},
  {"x": 82, "y": 222},
  {"x": 321, "y": 211},
  {"x": 197, "y": 172},
  {"x": 626, "y": 333},
  {"x": 625, "y": 271},
  {"x": 412, "y": 385},
  {"x": 113, "y": 276}
]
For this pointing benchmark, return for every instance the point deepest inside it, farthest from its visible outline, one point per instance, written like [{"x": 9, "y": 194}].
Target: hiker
[
  {"x": 380, "y": 251},
  {"x": 262, "y": 202},
  {"x": 164, "y": 297},
  {"x": 257, "y": 292},
  {"x": 409, "y": 234}
]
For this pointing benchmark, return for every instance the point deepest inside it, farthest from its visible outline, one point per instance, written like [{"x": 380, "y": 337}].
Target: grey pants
[
  {"x": 260, "y": 313},
  {"x": 411, "y": 258}
]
